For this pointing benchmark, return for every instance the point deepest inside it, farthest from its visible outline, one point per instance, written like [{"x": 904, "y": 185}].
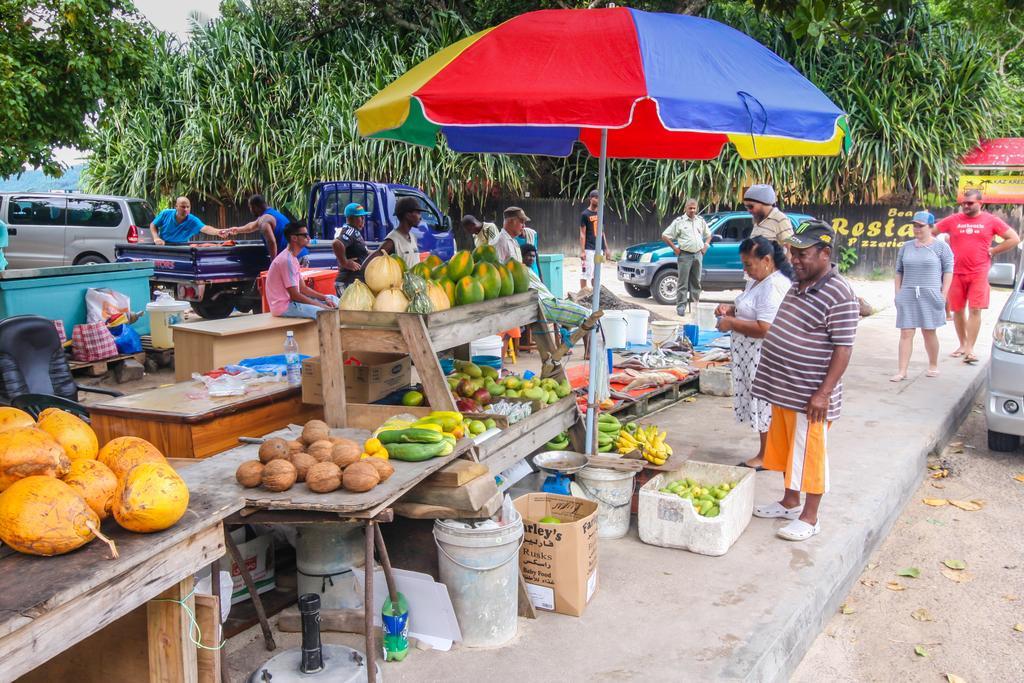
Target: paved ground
[{"x": 668, "y": 615}]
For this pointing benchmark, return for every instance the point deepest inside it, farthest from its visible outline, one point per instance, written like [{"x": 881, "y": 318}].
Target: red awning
[{"x": 996, "y": 153}]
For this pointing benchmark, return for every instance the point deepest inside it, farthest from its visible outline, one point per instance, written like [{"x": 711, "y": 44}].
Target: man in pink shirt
[
  {"x": 970, "y": 237},
  {"x": 287, "y": 295}
]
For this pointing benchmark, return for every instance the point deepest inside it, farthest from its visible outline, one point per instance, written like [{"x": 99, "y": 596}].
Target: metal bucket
[
  {"x": 480, "y": 567},
  {"x": 613, "y": 492}
]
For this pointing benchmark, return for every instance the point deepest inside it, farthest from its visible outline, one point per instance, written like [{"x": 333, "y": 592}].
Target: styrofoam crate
[{"x": 671, "y": 522}]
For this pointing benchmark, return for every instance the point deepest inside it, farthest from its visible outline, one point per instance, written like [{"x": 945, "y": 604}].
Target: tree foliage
[{"x": 60, "y": 60}]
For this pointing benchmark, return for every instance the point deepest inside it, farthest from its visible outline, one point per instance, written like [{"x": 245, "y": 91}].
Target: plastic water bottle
[
  {"x": 395, "y": 619},
  {"x": 291, "y": 359}
]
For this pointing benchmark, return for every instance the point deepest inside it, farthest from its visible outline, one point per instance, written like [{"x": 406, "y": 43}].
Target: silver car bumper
[
  {"x": 637, "y": 273},
  {"x": 1005, "y": 383}
]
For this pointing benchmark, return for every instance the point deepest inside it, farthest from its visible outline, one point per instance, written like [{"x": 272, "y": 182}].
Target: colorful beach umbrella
[{"x": 624, "y": 83}]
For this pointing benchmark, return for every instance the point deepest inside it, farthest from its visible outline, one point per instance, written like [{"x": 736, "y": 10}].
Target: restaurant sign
[{"x": 996, "y": 189}]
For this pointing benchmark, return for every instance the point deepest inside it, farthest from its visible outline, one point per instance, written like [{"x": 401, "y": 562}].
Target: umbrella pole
[{"x": 602, "y": 166}]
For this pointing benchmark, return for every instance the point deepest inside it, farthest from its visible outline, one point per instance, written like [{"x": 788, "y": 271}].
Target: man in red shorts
[{"x": 970, "y": 237}]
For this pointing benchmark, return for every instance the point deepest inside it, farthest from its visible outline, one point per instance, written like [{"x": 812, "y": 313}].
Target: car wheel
[
  {"x": 213, "y": 309},
  {"x": 638, "y": 291},
  {"x": 664, "y": 287},
  {"x": 89, "y": 259},
  {"x": 1004, "y": 443}
]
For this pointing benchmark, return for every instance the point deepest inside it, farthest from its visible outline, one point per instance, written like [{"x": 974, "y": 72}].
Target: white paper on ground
[{"x": 431, "y": 615}]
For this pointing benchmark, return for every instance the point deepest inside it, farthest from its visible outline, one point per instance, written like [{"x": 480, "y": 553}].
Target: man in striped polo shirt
[{"x": 804, "y": 356}]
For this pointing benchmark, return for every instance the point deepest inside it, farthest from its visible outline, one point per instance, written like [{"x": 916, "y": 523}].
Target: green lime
[
  {"x": 477, "y": 427},
  {"x": 550, "y": 520},
  {"x": 490, "y": 423},
  {"x": 412, "y": 398}
]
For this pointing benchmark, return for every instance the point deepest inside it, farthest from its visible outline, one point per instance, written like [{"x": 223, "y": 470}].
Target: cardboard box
[
  {"x": 257, "y": 551},
  {"x": 378, "y": 376},
  {"x": 559, "y": 561}
]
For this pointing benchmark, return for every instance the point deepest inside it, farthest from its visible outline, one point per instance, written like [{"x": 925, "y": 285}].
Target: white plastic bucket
[
  {"x": 705, "y": 316},
  {"x": 480, "y": 567},
  {"x": 324, "y": 557},
  {"x": 161, "y": 317},
  {"x": 636, "y": 325},
  {"x": 488, "y": 346},
  {"x": 612, "y": 490},
  {"x": 614, "y": 325}
]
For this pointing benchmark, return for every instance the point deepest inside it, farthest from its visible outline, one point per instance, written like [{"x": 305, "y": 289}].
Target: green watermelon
[
  {"x": 460, "y": 265},
  {"x": 507, "y": 286},
  {"x": 520, "y": 277},
  {"x": 489, "y": 278},
  {"x": 433, "y": 261},
  {"x": 468, "y": 291},
  {"x": 485, "y": 253}
]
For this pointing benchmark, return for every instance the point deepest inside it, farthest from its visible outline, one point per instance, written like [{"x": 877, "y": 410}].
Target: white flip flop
[
  {"x": 798, "y": 530},
  {"x": 776, "y": 509}
]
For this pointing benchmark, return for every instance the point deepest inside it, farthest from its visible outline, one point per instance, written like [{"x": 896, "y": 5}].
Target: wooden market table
[
  {"x": 180, "y": 419},
  {"x": 49, "y": 604},
  {"x": 299, "y": 505},
  {"x": 210, "y": 344}
]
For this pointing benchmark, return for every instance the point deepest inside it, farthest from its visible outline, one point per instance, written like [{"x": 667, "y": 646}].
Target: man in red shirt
[{"x": 970, "y": 237}]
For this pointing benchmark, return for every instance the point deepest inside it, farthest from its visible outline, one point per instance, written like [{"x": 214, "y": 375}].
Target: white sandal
[
  {"x": 798, "y": 530},
  {"x": 776, "y": 509}
]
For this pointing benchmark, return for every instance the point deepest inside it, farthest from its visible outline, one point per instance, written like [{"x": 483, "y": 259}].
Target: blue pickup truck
[
  {"x": 649, "y": 269},
  {"x": 327, "y": 202}
]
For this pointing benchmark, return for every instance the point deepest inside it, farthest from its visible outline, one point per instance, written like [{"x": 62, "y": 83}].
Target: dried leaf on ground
[
  {"x": 1010, "y": 598},
  {"x": 1019, "y": 477},
  {"x": 968, "y": 505},
  {"x": 934, "y": 466},
  {"x": 937, "y": 485},
  {"x": 689, "y": 399},
  {"x": 895, "y": 586},
  {"x": 1018, "y": 627},
  {"x": 957, "y": 575},
  {"x": 845, "y": 608},
  {"x": 940, "y": 474},
  {"x": 955, "y": 564},
  {"x": 912, "y": 572},
  {"x": 953, "y": 678},
  {"x": 872, "y": 565},
  {"x": 870, "y": 583},
  {"x": 920, "y": 651},
  {"x": 935, "y": 502},
  {"x": 921, "y": 615}
]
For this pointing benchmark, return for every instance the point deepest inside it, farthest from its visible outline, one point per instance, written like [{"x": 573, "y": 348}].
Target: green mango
[
  {"x": 512, "y": 382},
  {"x": 490, "y": 372},
  {"x": 563, "y": 389},
  {"x": 534, "y": 393},
  {"x": 511, "y": 393}
]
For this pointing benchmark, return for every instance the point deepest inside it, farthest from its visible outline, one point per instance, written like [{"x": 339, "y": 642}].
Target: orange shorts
[
  {"x": 969, "y": 290},
  {"x": 799, "y": 449}
]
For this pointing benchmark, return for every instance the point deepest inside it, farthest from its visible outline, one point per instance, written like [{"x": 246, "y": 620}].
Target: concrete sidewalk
[{"x": 670, "y": 615}]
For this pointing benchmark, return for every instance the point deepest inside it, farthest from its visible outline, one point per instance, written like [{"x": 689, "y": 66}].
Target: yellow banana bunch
[
  {"x": 651, "y": 442},
  {"x": 625, "y": 443}
]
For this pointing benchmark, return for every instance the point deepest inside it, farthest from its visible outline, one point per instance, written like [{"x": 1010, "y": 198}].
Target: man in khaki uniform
[{"x": 769, "y": 222}]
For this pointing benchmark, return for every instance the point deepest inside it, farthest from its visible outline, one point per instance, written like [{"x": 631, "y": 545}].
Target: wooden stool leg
[
  {"x": 221, "y": 654},
  {"x": 371, "y": 646},
  {"x": 257, "y": 602}
]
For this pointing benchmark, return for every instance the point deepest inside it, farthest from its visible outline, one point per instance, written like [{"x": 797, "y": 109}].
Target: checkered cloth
[
  {"x": 59, "y": 324},
  {"x": 92, "y": 341},
  {"x": 564, "y": 312}
]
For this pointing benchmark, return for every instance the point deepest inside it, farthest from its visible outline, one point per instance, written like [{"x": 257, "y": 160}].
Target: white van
[{"x": 56, "y": 229}]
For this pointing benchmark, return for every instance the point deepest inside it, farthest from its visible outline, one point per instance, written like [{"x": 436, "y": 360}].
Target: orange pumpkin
[
  {"x": 125, "y": 452},
  {"x": 73, "y": 433},
  {"x": 27, "y": 451}
]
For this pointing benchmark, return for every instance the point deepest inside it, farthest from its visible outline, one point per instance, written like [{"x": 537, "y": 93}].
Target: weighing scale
[{"x": 559, "y": 464}]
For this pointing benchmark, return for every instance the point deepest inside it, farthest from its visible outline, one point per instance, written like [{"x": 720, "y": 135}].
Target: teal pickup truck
[{"x": 649, "y": 269}]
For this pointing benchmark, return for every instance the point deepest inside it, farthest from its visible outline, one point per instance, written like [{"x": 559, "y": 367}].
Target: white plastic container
[
  {"x": 161, "y": 316},
  {"x": 612, "y": 490},
  {"x": 480, "y": 567},
  {"x": 705, "y": 316},
  {"x": 669, "y": 521},
  {"x": 636, "y": 325},
  {"x": 324, "y": 556},
  {"x": 615, "y": 329},
  {"x": 487, "y": 346}
]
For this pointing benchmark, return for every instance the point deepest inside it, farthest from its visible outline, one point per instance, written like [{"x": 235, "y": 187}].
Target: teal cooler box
[
  {"x": 59, "y": 293},
  {"x": 551, "y": 273}
]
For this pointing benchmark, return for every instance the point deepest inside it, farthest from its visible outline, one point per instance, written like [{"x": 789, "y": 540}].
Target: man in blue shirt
[
  {"x": 270, "y": 223},
  {"x": 178, "y": 225}
]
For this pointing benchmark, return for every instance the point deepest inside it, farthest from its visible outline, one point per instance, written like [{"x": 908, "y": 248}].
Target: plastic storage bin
[
  {"x": 161, "y": 317},
  {"x": 59, "y": 293},
  {"x": 552, "y": 273},
  {"x": 669, "y": 521}
]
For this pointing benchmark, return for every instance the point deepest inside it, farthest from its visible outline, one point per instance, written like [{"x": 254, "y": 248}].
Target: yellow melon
[
  {"x": 40, "y": 515},
  {"x": 150, "y": 497},
  {"x": 73, "y": 433},
  {"x": 12, "y": 417},
  {"x": 95, "y": 482},
  {"x": 27, "y": 451},
  {"x": 125, "y": 452}
]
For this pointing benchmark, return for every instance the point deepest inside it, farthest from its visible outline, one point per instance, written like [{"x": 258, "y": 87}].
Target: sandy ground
[{"x": 965, "y": 628}]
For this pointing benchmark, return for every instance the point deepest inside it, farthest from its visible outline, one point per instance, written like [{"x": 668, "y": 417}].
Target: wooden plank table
[
  {"x": 211, "y": 344},
  {"x": 182, "y": 421},
  {"x": 48, "y": 604}
]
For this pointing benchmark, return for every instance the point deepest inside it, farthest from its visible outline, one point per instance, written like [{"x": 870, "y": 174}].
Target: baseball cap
[
  {"x": 924, "y": 217},
  {"x": 810, "y": 233},
  {"x": 516, "y": 212},
  {"x": 355, "y": 209}
]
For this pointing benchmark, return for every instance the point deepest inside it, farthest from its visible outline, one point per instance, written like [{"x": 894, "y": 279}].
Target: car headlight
[
  {"x": 646, "y": 258},
  {"x": 1009, "y": 337}
]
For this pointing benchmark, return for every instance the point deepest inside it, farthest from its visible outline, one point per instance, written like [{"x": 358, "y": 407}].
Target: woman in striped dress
[{"x": 924, "y": 270}]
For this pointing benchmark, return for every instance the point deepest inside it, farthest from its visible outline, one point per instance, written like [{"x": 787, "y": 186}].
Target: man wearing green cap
[{"x": 350, "y": 247}]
